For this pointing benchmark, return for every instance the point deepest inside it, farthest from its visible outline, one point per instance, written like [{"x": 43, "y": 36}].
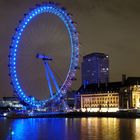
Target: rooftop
[
  {"x": 95, "y": 54},
  {"x": 111, "y": 86}
]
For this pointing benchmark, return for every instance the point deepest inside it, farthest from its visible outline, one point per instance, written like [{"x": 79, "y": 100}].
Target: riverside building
[{"x": 111, "y": 97}]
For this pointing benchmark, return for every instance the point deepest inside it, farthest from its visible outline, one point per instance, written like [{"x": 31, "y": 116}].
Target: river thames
[{"x": 70, "y": 129}]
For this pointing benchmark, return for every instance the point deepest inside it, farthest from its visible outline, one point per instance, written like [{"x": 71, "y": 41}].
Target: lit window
[{"x": 92, "y": 74}]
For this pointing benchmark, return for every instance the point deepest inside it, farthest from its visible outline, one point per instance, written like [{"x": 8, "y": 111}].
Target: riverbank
[{"x": 74, "y": 115}]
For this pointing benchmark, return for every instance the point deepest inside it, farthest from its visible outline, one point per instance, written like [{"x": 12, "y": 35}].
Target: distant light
[
  {"x": 103, "y": 68},
  {"x": 4, "y": 114},
  {"x": 12, "y": 133}
]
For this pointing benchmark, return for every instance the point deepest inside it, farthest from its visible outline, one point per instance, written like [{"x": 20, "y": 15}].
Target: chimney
[{"x": 123, "y": 79}]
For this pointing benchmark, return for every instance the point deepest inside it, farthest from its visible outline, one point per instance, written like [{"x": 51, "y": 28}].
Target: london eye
[{"x": 61, "y": 90}]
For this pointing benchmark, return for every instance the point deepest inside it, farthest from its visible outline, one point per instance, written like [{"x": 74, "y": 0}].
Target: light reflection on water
[{"x": 70, "y": 129}]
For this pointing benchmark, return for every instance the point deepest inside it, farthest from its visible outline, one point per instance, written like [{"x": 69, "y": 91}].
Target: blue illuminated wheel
[{"x": 73, "y": 35}]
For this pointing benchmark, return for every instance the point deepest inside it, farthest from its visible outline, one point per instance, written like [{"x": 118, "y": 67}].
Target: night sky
[{"x": 107, "y": 26}]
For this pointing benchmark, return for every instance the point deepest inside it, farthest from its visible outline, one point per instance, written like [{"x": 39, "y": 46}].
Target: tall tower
[{"x": 95, "y": 68}]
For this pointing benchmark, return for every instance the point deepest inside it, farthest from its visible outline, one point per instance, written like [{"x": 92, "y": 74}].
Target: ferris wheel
[{"x": 65, "y": 17}]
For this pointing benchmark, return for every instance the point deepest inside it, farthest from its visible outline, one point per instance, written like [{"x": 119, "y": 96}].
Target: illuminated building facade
[
  {"x": 136, "y": 96},
  {"x": 129, "y": 95},
  {"x": 95, "y": 68},
  {"x": 100, "y": 98},
  {"x": 111, "y": 97},
  {"x": 101, "y": 102}
]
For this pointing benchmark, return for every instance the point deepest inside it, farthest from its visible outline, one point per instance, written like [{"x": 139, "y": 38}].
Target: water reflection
[
  {"x": 110, "y": 129},
  {"x": 100, "y": 128},
  {"x": 70, "y": 129}
]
